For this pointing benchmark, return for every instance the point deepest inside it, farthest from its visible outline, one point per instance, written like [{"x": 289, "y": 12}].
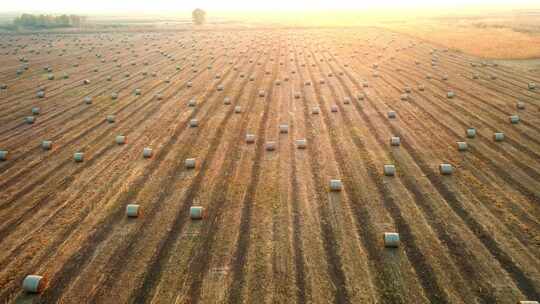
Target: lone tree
[{"x": 199, "y": 16}]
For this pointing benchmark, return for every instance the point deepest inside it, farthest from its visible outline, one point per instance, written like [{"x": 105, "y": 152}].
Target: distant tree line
[{"x": 48, "y": 21}]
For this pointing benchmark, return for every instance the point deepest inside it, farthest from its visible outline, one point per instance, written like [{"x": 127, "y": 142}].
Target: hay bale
[
  {"x": 532, "y": 86},
  {"x": 389, "y": 170},
  {"x": 520, "y": 105},
  {"x": 114, "y": 96},
  {"x": 192, "y": 102},
  {"x": 189, "y": 84},
  {"x": 120, "y": 139},
  {"x": 360, "y": 96},
  {"x": 284, "y": 128},
  {"x": 404, "y": 97},
  {"x": 297, "y": 95},
  {"x": 78, "y": 157},
  {"x": 498, "y": 136},
  {"x": 190, "y": 163},
  {"x": 250, "y": 138},
  {"x": 270, "y": 145},
  {"x": 29, "y": 119},
  {"x": 46, "y": 145},
  {"x": 528, "y": 302},
  {"x": 111, "y": 118},
  {"x": 392, "y": 114},
  {"x": 197, "y": 212},
  {"x": 514, "y": 119},
  {"x": 132, "y": 210},
  {"x": 315, "y": 110},
  {"x": 194, "y": 123},
  {"x": 395, "y": 141},
  {"x": 450, "y": 94},
  {"x": 334, "y": 108},
  {"x": 262, "y": 93},
  {"x": 33, "y": 283},
  {"x": 41, "y": 94},
  {"x": 335, "y": 185},
  {"x": 227, "y": 101},
  {"x": 36, "y": 110},
  {"x": 446, "y": 169},
  {"x": 3, "y": 155},
  {"x": 86, "y": 81},
  {"x": 147, "y": 152},
  {"x": 137, "y": 92},
  {"x": 346, "y": 100},
  {"x": 220, "y": 87},
  {"x": 238, "y": 109},
  {"x": 471, "y": 132},
  {"x": 301, "y": 143},
  {"x": 462, "y": 146},
  {"x": 88, "y": 100},
  {"x": 391, "y": 239}
]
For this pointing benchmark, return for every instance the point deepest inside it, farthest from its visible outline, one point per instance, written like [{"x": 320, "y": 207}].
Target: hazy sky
[{"x": 183, "y": 5}]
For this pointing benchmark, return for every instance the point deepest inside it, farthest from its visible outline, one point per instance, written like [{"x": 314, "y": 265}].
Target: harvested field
[{"x": 271, "y": 227}]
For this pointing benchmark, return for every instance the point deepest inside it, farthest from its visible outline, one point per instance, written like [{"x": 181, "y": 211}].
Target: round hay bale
[
  {"x": 86, "y": 81},
  {"x": 270, "y": 145},
  {"x": 277, "y": 82},
  {"x": 3, "y": 86},
  {"x": 404, "y": 97},
  {"x": 137, "y": 92},
  {"x": 46, "y": 145},
  {"x": 528, "y": 302},
  {"x": 132, "y": 210},
  {"x": 283, "y": 128},
  {"x": 532, "y": 86},
  {"x": 190, "y": 163},
  {"x": 197, "y": 212},
  {"x": 227, "y": 101},
  {"x": 471, "y": 132},
  {"x": 334, "y": 108},
  {"x": 389, "y": 170},
  {"x": 3, "y": 155},
  {"x": 297, "y": 95},
  {"x": 262, "y": 93},
  {"x": 147, "y": 152},
  {"x": 346, "y": 100},
  {"x": 36, "y": 110},
  {"x": 194, "y": 123},
  {"x": 111, "y": 118},
  {"x": 446, "y": 169},
  {"x": 301, "y": 143},
  {"x": 365, "y": 84},
  {"x": 322, "y": 81},
  {"x": 391, "y": 239},
  {"x": 50, "y": 76},
  {"x": 78, "y": 157},
  {"x": 395, "y": 141},
  {"x": 33, "y": 283},
  {"x": 29, "y": 119},
  {"x": 220, "y": 87},
  {"x": 114, "y": 96},
  {"x": 360, "y": 96},
  {"x": 250, "y": 138},
  {"x": 392, "y": 114},
  {"x": 238, "y": 109},
  {"x": 462, "y": 146},
  {"x": 88, "y": 100},
  {"x": 335, "y": 185},
  {"x": 192, "y": 102},
  {"x": 41, "y": 94},
  {"x": 520, "y": 105},
  {"x": 189, "y": 84},
  {"x": 514, "y": 119},
  {"x": 498, "y": 136},
  {"x": 120, "y": 139},
  {"x": 315, "y": 110}
]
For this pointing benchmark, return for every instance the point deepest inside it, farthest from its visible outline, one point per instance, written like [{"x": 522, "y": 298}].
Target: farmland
[{"x": 273, "y": 231}]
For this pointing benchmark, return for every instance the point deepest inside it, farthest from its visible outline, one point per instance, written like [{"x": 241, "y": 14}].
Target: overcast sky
[{"x": 152, "y": 6}]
